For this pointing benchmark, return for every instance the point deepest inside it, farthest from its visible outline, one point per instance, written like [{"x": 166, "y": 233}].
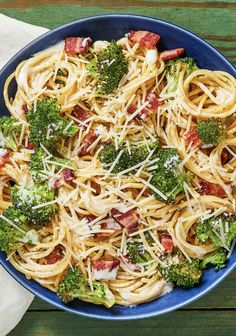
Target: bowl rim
[{"x": 16, "y": 275}]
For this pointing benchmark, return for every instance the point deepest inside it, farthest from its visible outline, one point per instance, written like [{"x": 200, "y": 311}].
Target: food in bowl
[{"x": 117, "y": 169}]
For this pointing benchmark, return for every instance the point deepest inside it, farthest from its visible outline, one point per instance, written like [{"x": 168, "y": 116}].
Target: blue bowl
[{"x": 107, "y": 27}]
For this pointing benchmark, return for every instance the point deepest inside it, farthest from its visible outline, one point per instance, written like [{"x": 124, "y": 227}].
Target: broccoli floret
[
  {"x": 25, "y": 199},
  {"x": 167, "y": 177},
  {"x": 180, "y": 271},
  {"x": 39, "y": 162},
  {"x": 8, "y": 127},
  {"x": 217, "y": 259},
  {"x": 219, "y": 230},
  {"x": 137, "y": 253},
  {"x": 109, "y": 68},
  {"x": 76, "y": 286},
  {"x": 211, "y": 132},
  {"x": 46, "y": 125},
  {"x": 173, "y": 68},
  {"x": 16, "y": 234},
  {"x": 128, "y": 159}
]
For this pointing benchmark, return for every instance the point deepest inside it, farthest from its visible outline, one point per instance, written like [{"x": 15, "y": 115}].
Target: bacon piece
[
  {"x": 80, "y": 114},
  {"x": 66, "y": 176},
  {"x": 145, "y": 38},
  {"x": 57, "y": 183},
  {"x": 172, "y": 53},
  {"x": 226, "y": 156},
  {"x": 87, "y": 141},
  {"x": 25, "y": 108},
  {"x": 96, "y": 187},
  {"x": 90, "y": 217},
  {"x": 110, "y": 224},
  {"x": 30, "y": 146},
  {"x": 129, "y": 219},
  {"x": 213, "y": 189},
  {"x": 132, "y": 109},
  {"x": 77, "y": 45},
  {"x": 55, "y": 255},
  {"x": 167, "y": 242},
  {"x": 4, "y": 156},
  {"x": 105, "y": 269},
  {"x": 192, "y": 138},
  {"x": 154, "y": 102},
  {"x": 105, "y": 264}
]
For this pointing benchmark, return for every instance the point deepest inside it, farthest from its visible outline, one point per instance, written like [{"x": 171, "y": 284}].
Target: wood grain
[
  {"x": 180, "y": 323},
  {"x": 121, "y": 3},
  {"x": 216, "y": 25}
]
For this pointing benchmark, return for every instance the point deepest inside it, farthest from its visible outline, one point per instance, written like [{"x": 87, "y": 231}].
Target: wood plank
[
  {"x": 222, "y": 37},
  {"x": 197, "y": 323},
  {"x": 187, "y": 17},
  {"x": 223, "y": 296},
  {"x": 124, "y": 3}
]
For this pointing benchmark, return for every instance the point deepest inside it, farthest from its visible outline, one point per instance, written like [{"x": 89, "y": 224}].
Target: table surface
[{"x": 214, "y": 314}]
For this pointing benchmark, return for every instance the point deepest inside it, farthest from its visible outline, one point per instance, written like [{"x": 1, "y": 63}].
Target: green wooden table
[{"x": 213, "y": 315}]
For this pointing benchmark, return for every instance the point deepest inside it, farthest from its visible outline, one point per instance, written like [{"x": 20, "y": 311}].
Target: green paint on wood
[
  {"x": 216, "y": 25},
  {"x": 196, "y": 323},
  {"x": 208, "y": 21}
]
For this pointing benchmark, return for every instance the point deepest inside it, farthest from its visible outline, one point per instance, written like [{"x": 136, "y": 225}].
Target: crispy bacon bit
[
  {"x": 57, "y": 183},
  {"x": 55, "y": 255},
  {"x": 167, "y": 242},
  {"x": 129, "y": 219},
  {"x": 90, "y": 218},
  {"x": 30, "y": 146},
  {"x": 226, "y": 156},
  {"x": 80, "y": 114},
  {"x": 145, "y": 38},
  {"x": 4, "y": 156},
  {"x": 213, "y": 189},
  {"x": 132, "y": 109},
  {"x": 66, "y": 176},
  {"x": 25, "y": 108},
  {"x": 87, "y": 141},
  {"x": 110, "y": 224},
  {"x": 96, "y": 187},
  {"x": 77, "y": 45},
  {"x": 192, "y": 138},
  {"x": 173, "y": 53},
  {"x": 105, "y": 264},
  {"x": 154, "y": 102},
  {"x": 105, "y": 269}
]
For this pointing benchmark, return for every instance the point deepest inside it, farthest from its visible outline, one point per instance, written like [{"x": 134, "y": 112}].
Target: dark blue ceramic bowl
[{"x": 107, "y": 27}]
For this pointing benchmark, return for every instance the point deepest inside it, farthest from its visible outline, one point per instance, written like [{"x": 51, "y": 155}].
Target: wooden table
[{"x": 213, "y": 315}]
